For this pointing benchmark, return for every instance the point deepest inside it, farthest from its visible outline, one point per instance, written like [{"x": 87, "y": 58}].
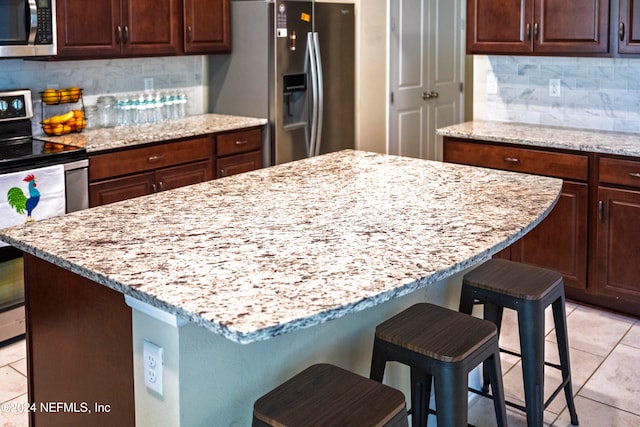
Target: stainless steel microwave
[{"x": 27, "y": 28}]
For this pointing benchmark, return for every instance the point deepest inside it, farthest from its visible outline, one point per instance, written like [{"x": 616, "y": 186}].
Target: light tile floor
[{"x": 605, "y": 365}]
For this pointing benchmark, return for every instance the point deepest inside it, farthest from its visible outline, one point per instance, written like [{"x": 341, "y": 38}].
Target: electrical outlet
[
  {"x": 148, "y": 84},
  {"x": 492, "y": 84},
  {"x": 554, "y": 87},
  {"x": 152, "y": 355}
]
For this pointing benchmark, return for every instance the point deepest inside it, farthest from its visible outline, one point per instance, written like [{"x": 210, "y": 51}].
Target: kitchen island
[{"x": 246, "y": 280}]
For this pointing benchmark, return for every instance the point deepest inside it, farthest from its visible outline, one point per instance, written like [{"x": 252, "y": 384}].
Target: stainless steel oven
[{"x": 20, "y": 152}]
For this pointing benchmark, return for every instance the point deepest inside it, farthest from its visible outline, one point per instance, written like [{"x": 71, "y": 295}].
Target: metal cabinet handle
[
  {"x": 156, "y": 158},
  {"x": 154, "y": 188},
  {"x": 634, "y": 174},
  {"x": 118, "y": 34},
  {"x": 429, "y": 95},
  {"x": 511, "y": 159},
  {"x": 161, "y": 184},
  {"x": 189, "y": 33},
  {"x": 126, "y": 34},
  {"x": 600, "y": 210},
  {"x": 242, "y": 142},
  {"x": 621, "y": 31},
  {"x": 223, "y": 173},
  {"x": 535, "y": 31},
  {"x": 527, "y": 32}
]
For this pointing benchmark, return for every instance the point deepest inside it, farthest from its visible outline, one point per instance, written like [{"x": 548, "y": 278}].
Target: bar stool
[
  {"x": 443, "y": 345},
  {"x": 500, "y": 283},
  {"x": 328, "y": 396}
]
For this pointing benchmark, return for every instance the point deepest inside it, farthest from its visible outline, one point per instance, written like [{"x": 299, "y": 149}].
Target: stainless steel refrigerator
[{"x": 293, "y": 63}]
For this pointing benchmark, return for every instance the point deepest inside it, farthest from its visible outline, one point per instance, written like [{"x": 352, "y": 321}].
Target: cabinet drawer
[
  {"x": 621, "y": 172},
  {"x": 238, "y": 164},
  {"x": 142, "y": 159},
  {"x": 560, "y": 165},
  {"x": 239, "y": 142}
]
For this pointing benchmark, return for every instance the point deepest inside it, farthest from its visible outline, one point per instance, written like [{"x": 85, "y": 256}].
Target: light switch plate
[{"x": 554, "y": 87}]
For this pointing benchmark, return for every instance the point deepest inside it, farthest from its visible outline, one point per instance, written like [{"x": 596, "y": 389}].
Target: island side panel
[{"x": 79, "y": 349}]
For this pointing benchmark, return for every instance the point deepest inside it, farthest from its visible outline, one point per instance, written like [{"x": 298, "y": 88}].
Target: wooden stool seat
[
  {"x": 443, "y": 345},
  {"x": 500, "y": 283},
  {"x": 326, "y": 395}
]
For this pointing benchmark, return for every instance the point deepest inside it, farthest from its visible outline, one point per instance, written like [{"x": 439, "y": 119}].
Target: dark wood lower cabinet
[
  {"x": 559, "y": 242},
  {"x": 618, "y": 246},
  {"x": 592, "y": 236},
  {"x": 79, "y": 350}
]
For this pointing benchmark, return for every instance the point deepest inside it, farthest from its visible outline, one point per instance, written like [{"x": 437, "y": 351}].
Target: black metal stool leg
[
  {"x": 451, "y": 387},
  {"x": 531, "y": 325},
  {"x": 559, "y": 319},
  {"x": 492, "y": 313},
  {"x": 378, "y": 361},
  {"x": 420, "y": 394},
  {"x": 497, "y": 388}
]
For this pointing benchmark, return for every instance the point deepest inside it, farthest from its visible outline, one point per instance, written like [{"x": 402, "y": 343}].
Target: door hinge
[
  {"x": 391, "y": 97},
  {"x": 461, "y": 87}
]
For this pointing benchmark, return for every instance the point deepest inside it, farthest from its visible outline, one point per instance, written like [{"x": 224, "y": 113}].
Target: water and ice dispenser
[{"x": 294, "y": 98}]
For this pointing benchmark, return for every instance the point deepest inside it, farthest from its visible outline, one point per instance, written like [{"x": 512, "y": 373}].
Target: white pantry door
[{"x": 425, "y": 74}]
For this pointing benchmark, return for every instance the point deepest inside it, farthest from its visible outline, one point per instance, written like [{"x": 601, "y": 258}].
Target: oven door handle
[
  {"x": 84, "y": 163},
  {"x": 33, "y": 22}
]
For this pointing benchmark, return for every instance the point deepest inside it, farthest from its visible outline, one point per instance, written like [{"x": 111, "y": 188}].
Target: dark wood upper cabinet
[
  {"x": 151, "y": 27},
  {"x": 207, "y": 26},
  {"x": 131, "y": 28},
  {"x": 629, "y": 27},
  {"x": 545, "y": 27}
]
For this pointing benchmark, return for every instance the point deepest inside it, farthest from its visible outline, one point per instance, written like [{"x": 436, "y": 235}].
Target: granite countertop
[
  {"x": 263, "y": 253},
  {"x": 129, "y": 136},
  {"x": 605, "y": 142}
]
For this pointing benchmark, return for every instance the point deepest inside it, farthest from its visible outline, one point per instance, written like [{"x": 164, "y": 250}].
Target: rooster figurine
[{"x": 20, "y": 202}]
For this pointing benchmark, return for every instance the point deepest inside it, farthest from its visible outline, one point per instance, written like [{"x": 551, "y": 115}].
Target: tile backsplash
[
  {"x": 595, "y": 93},
  {"x": 108, "y": 76}
]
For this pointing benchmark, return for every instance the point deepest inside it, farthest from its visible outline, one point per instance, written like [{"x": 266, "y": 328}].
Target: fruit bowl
[
  {"x": 61, "y": 96},
  {"x": 72, "y": 121}
]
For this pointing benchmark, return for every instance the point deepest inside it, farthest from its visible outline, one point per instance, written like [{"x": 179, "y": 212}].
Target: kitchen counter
[
  {"x": 127, "y": 136},
  {"x": 288, "y": 266},
  {"x": 624, "y": 144},
  {"x": 265, "y": 253}
]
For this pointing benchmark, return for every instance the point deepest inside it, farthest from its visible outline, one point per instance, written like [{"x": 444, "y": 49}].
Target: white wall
[{"x": 595, "y": 93}]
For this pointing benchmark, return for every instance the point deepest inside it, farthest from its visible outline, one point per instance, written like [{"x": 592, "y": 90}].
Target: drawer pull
[
  {"x": 242, "y": 142},
  {"x": 512, "y": 160},
  {"x": 161, "y": 184},
  {"x": 156, "y": 158},
  {"x": 223, "y": 173},
  {"x": 154, "y": 188},
  {"x": 634, "y": 174}
]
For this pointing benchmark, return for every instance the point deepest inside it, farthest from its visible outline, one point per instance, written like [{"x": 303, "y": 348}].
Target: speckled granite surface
[
  {"x": 127, "y": 136},
  {"x": 625, "y": 144},
  {"x": 260, "y": 254}
]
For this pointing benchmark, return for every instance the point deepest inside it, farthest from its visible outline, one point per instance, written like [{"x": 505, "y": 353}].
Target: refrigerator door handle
[
  {"x": 314, "y": 95},
  {"x": 320, "y": 90}
]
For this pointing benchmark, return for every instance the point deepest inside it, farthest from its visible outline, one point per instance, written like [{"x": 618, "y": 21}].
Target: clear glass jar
[
  {"x": 107, "y": 111},
  {"x": 91, "y": 116}
]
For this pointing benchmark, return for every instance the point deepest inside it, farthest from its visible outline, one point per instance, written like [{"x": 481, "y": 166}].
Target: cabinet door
[
  {"x": 559, "y": 242},
  {"x": 240, "y": 163},
  {"x": 629, "y": 26},
  {"x": 207, "y": 26},
  {"x": 618, "y": 245},
  {"x": 88, "y": 30},
  {"x": 180, "y": 176},
  {"x": 115, "y": 190},
  {"x": 571, "y": 26},
  {"x": 499, "y": 26},
  {"x": 151, "y": 27}
]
